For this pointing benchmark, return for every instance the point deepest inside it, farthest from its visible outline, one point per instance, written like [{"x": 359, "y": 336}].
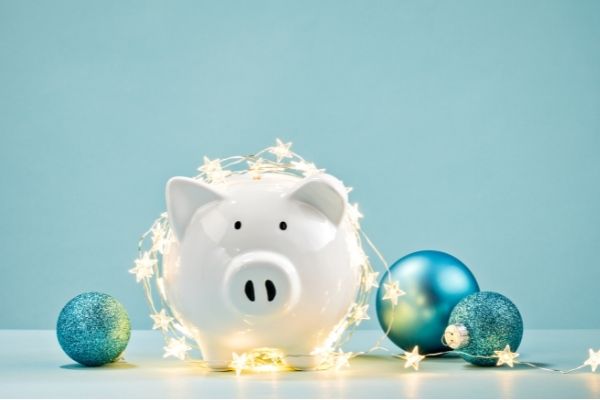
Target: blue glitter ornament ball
[
  {"x": 93, "y": 329},
  {"x": 434, "y": 283},
  {"x": 481, "y": 324}
]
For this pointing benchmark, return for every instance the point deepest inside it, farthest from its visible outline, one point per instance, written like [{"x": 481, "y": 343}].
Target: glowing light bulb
[
  {"x": 239, "y": 362},
  {"x": 161, "y": 320},
  {"x": 342, "y": 360},
  {"x": 359, "y": 313},
  {"x": 176, "y": 348},
  {"x": 506, "y": 356},
  {"x": 281, "y": 150},
  {"x": 392, "y": 291},
  {"x": 594, "y": 360},
  {"x": 413, "y": 358},
  {"x": 144, "y": 267}
]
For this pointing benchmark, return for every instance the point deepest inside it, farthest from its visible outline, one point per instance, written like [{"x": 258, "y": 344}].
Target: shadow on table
[
  {"x": 111, "y": 366},
  {"x": 363, "y": 367},
  {"x": 517, "y": 367}
]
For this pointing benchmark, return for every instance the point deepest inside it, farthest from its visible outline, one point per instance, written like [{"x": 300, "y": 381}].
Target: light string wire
[
  {"x": 513, "y": 357},
  {"x": 496, "y": 357},
  {"x": 156, "y": 242}
]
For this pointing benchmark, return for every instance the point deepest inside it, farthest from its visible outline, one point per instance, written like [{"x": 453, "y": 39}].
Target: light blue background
[{"x": 470, "y": 127}]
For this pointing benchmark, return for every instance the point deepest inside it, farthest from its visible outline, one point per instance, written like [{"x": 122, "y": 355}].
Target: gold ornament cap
[{"x": 456, "y": 336}]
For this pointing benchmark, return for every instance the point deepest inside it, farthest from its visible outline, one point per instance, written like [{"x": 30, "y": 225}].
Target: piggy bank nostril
[
  {"x": 271, "y": 292},
  {"x": 249, "y": 290},
  {"x": 261, "y": 283}
]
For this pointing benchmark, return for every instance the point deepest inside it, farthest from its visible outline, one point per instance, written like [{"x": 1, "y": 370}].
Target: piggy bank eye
[
  {"x": 237, "y": 225},
  {"x": 282, "y": 225}
]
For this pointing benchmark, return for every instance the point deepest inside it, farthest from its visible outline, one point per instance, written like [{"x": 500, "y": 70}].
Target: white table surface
[{"x": 33, "y": 365}]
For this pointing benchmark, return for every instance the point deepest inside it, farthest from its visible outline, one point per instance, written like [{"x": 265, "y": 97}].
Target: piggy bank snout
[{"x": 261, "y": 283}]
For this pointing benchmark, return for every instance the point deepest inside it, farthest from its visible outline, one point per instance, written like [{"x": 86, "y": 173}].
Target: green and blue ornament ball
[
  {"x": 93, "y": 329},
  {"x": 481, "y": 324},
  {"x": 433, "y": 282}
]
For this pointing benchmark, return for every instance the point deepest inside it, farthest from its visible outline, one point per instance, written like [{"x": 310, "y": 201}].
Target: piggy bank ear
[
  {"x": 184, "y": 197},
  {"x": 325, "y": 193}
]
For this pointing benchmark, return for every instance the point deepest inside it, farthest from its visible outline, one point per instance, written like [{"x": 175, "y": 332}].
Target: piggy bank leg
[
  {"x": 301, "y": 360},
  {"x": 217, "y": 358}
]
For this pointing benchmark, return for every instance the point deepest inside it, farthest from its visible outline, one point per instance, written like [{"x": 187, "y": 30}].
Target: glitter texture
[
  {"x": 492, "y": 322},
  {"x": 93, "y": 329}
]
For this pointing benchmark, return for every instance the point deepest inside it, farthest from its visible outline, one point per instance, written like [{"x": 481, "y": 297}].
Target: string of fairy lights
[{"x": 156, "y": 243}]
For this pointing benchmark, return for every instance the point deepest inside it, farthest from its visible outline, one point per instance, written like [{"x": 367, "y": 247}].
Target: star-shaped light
[
  {"x": 213, "y": 170},
  {"x": 281, "y": 150},
  {"x": 307, "y": 169},
  {"x": 158, "y": 239},
  {"x": 354, "y": 214},
  {"x": 370, "y": 280},
  {"x": 392, "y": 291},
  {"x": 412, "y": 359},
  {"x": 594, "y": 360},
  {"x": 359, "y": 313},
  {"x": 144, "y": 267},
  {"x": 239, "y": 362},
  {"x": 209, "y": 165},
  {"x": 176, "y": 348},
  {"x": 342, "y": 360},
  {"x": 161, "y": 320},
  {"x": 506, "y": 357}
]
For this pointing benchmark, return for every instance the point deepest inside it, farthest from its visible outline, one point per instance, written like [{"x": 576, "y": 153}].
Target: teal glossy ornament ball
[
  {"x": 483, "y": 323},
  {"x": 93, "y": 329},
  {"x": 433, "y": 282}
]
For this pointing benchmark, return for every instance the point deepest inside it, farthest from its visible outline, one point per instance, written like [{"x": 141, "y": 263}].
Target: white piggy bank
[{"x": 260, "y": 264}]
